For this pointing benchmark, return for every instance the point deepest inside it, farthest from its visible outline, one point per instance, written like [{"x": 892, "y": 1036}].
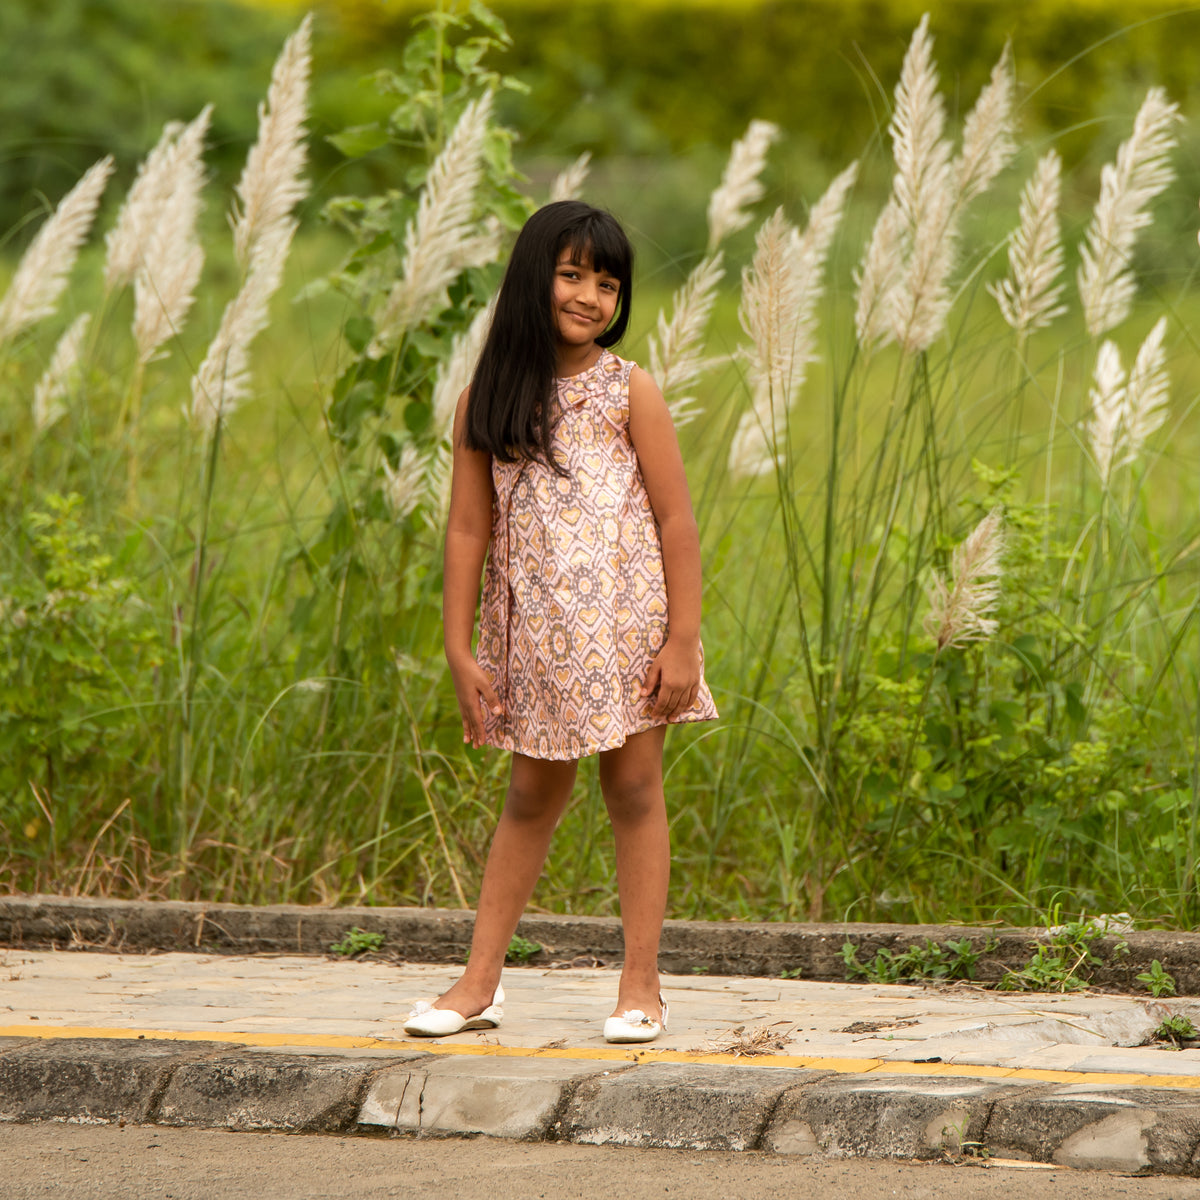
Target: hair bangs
[{"x": 602, "y": 244}]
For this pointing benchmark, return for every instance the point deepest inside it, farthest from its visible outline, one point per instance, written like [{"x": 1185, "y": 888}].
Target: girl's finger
[
  {"x": 488, "y": 693},
  {"x": 653, "y": 679}
]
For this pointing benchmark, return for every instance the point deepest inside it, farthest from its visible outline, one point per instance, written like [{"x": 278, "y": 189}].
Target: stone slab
[
  {"x": 500, "y": 1097},
  {"x": 680, "y": 1105},
  {"x": 250, "y": 1090},
  {"x": 1098, "y": 1127},
  {"x": 443, "y": 935},
  {"x": 882, "y": 1116},
  {"x": 91, "y": 1079}
]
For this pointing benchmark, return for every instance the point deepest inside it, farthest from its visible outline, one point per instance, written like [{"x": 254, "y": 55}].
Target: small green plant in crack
[
  {"x": 1177, "y": 1029},
  {"x": 792, "y": 972},
  {"x": 521, "y": 950},
  {"x": 357, "y": 941},
  {"x": 1158, "y": 982},
  {"x": 1064, "y": 960},
  {"x": 953, "y": 959},
  {"x": 956, "y": 1145}
]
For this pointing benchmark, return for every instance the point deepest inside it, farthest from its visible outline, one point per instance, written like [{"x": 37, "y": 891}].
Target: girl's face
[{"x": 584, "y": 300}]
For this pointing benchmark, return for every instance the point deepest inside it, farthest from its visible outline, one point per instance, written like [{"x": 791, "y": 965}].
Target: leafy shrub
[{"x": 73, "y": 636}]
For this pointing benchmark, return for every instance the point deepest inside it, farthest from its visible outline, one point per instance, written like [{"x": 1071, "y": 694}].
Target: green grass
[
  {"x": 239, "y": 693},
  {"x": 355, "y": 787}
]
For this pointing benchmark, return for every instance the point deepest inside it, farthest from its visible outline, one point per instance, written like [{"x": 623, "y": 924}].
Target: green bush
[{"x": 73, "y": 639}]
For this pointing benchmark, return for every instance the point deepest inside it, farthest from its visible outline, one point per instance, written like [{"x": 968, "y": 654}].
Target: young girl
[{"x": 566, "y": 463}]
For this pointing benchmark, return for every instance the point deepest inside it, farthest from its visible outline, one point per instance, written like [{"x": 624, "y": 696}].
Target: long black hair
[{"x": 509, "y": 411}]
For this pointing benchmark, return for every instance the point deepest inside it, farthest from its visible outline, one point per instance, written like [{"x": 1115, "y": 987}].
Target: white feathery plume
[
  {"x": 780, "y": 294},
  {"x": 263, "y": 229},
  {"x": 454, "y": 374},
  {"x": 1126, "y": 412},
  {"x": 823, "y": 221},
  {"x": 924, "y": 188},
  {"x": 438, "y": 476},
  {"x": 1146, "y": 395},
  {"x": 676, "y": 358},
  {"x": 1029, "y": 297},
  {"x": 903, "y": 288},
  {"x": 1141, "y": 172},
  {"x": 60, "y": 376},
  {"x": 41, "y": 275},
  {"x": 878, "y": 278},
  {"x": 768, "y": 301},
  {"x": 171, "y": 257},
  {"x": 740, "y": 185},
  {"x": 404, "y": 485},
  {"x": 272, "y": 181},
  {"x": 676, "y": 361},
  {"x": 126, "y": 240},
  {"x": 988, "y": 145},
  {"x": 223, "y": 378},
  {"x": 441, "y": 241},
  {"x": 1107, "y": 397},
  {"x": 960, "y": 607},
  {"x": 568, "y": 184}
]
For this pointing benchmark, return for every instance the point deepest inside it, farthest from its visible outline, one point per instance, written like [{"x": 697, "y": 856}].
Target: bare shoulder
[{"x": 642, "y": 388}]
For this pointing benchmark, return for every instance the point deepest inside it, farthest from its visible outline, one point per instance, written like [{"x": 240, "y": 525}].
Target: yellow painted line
[{"x": 839, "y": 1066}]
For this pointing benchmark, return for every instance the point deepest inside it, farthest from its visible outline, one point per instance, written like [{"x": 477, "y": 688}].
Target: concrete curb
[
  {"x": 443, "y": 935},
  {"x": 1095, "y": 1125}
]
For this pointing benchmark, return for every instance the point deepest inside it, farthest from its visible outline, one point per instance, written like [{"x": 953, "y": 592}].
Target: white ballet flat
[
  {"x": 635, "y": 1026},
  {"x": 427, "y": 1021}
]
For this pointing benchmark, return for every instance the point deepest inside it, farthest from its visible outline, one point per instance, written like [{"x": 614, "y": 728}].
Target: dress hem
[{"x": 510, "y": 744}]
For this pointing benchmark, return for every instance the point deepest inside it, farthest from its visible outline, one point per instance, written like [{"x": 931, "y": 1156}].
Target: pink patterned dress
[{"x": 574, "y": 603}]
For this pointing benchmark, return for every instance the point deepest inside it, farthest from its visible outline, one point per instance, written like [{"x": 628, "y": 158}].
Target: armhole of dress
[{"x": 626, "y": 371}]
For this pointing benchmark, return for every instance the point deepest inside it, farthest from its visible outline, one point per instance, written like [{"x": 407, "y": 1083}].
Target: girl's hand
[
  {"x": 675, "y": 676},
  {"x": 473, "y": 689}
]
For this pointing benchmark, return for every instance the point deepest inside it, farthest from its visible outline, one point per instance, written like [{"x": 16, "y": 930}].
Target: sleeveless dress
[{"x": 574, "y": 605}]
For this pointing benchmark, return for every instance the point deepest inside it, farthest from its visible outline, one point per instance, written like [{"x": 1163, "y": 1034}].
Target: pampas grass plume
[
  {"x": 263, "y": 229},
  {"x": 272, "y": 181},
  {"x": 568, "y": 184},
  {"x": 961, "y": 606},
  {"x": 42, "y": 273},
  {"x": 676, "y": 349},
  {"x": 60, "y": 375},
  {"x": 988, "y": 145},
  {"x": 442, "y": 239},
  {"x": 171, "y": 257},
  {"x": 1028, "y": 298},
  {"x": 1125, "y": 412},
  {"x": 405, "y": 484},
  {"x": 878, "y": 277},
  {"x": 1107, "y": 397},
  {"x": 455, "y": 373},
  {"x": 740, "y": 185},
  {"x": 126, "y": 240},
  {"x": 1142, "y": 170},
  {"x": 780, "y": 293}
]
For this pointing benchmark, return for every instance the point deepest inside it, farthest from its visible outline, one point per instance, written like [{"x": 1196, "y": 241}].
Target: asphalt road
[{"x": 103, "y": 1162}]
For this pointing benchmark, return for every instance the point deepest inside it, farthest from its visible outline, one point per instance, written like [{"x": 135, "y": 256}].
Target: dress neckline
[{"x": 586, "y": 370}]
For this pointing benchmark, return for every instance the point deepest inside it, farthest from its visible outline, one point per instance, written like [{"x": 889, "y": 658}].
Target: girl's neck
[{"x": 574, "y": 360}]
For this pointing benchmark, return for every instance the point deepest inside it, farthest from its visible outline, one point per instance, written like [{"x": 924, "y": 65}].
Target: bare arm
[
  {"x": 468, "y": 530},
  {"x": 675, "y": 672}
]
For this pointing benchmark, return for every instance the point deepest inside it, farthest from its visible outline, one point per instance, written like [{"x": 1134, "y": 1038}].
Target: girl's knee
[
  {"x": 525, "y": 803},
  {"x": 634, "y": 796}
]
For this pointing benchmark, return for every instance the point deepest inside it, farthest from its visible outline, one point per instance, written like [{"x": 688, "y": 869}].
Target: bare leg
[
  {"x": 538, "y": 791},
  {"x": 631, "y": 780}
]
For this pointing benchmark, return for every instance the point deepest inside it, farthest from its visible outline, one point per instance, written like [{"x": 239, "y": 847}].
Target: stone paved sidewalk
[{"x": 304, "y": 1043}]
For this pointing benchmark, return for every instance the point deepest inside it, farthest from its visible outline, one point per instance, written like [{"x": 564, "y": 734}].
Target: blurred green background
[{"x": 657, "y": 90}]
